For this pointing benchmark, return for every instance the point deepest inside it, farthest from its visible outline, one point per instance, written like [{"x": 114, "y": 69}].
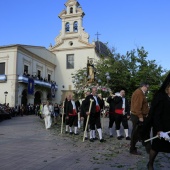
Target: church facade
[
  {"x": 47, "y": 67},
  {"x": 72, "y": 47}
]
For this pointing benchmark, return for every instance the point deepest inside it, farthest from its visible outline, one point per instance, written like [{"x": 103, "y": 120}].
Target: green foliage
[{"x": 125, "y": 71}]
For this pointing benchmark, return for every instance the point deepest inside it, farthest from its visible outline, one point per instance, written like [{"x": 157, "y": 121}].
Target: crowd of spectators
[
  {"x": 5, "y": 112},
  {"x": 25, "y": 74}
]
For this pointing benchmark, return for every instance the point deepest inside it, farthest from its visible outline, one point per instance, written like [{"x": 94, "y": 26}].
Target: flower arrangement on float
[{"x": 81, "y": 90}]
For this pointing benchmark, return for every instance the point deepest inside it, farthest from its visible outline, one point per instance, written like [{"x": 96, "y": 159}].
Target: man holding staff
[
  {"x": 83, "y": 115},
  {"x": 94, "y": 114}
]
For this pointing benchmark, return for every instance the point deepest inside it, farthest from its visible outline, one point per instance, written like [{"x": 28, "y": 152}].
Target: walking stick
[
  {"x": 104, "y": 111},
  {"x": 155, "y": 137},
  {"x": 79, "y": 125},
  {"x": 62, "y": 119},
  {"x": 87, "y": 119}
]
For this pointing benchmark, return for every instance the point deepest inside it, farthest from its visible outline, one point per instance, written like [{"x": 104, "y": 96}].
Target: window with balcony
[
  {"x": 2, "y": 68},
  {"x": 39, "y": 74},
  {"x": 49, "y": 77},
  {"x": 25, "y": 69}
]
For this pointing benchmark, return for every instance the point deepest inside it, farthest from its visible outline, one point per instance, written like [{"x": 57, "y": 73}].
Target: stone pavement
[{"x": 26, "y": 145}]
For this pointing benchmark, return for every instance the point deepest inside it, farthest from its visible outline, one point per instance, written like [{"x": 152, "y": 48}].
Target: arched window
[
  {"x": 67, "y": 27},
  {"x": 71, "y": 10},
  {"x": 75, "y": 26}
]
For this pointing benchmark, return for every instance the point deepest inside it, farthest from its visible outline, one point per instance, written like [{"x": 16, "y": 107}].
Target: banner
[
  {"x": 30, "y": 86},
  {"x": 53, "y": 90}
]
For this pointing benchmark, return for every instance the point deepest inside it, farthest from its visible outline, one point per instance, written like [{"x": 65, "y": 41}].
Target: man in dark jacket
[
  {"x": 72, "y": 114},
  {"x": 122, "y": 114},
  {"x": 94, "y": 114},
  {"x": 66, "y": 118},
  {"x": 83, "y": 114},
  {"x": 111, "y": 102}
]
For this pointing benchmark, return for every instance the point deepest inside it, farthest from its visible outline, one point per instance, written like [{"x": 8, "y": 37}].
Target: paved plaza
[{"x": 26, "y": 145}]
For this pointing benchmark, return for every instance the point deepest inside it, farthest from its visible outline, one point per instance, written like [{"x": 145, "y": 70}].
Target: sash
[
  {"x": 74, "y": 113},
  {"x": 119, "y": 111},
  {"x": 97, "y": 108}
]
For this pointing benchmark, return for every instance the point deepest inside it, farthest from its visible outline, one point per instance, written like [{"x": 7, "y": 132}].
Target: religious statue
[{"x": 90, "y": 71}]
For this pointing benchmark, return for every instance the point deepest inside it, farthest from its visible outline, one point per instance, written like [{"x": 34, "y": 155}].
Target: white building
[
  {"x": 34, "y": 61},
  {"x": 70, "y": 53}
]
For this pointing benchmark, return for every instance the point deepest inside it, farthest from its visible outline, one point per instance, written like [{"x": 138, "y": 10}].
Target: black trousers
[
  {"x": 95, "y": 121},
  {"x": 119, "y": 118},
  {"x": 73, "y": 120},
  {"x": 140, "y": 131},
  {"x": 66, "y": 120},
  {"x": 111, "y": 120}
]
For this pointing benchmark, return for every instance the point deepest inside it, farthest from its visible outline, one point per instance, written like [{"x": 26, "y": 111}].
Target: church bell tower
[{"x": 72, "y": 27}]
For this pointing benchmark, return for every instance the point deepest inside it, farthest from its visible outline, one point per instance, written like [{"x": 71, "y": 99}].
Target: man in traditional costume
[
  {"x": 72, "y": 114},
  {"x": 66, "y": 118},
  {"x": 83, "y": 115},
  {"x": 120, "y": 115},
  {"x": 111, "y": 102},
  {"x": 94, "y": 114}
]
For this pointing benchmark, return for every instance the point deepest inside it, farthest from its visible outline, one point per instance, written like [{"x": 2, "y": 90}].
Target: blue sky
[{"x": 124, "y": 24}]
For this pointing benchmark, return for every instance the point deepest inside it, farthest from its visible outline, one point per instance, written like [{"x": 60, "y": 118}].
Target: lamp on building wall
[{"x": 5, "y": 96}]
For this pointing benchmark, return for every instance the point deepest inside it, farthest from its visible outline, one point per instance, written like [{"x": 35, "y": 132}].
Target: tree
[{"x": 125, "y": 72}]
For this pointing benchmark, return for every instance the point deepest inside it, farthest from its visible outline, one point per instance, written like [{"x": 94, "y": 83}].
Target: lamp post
[
  {"x": 5, "y": 96},
  {"x": 99, "y": 81},
  {"x": 107, "y": 77}
]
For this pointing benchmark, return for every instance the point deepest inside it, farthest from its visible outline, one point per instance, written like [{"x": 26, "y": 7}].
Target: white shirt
[
  {"x": 73, "y": 103},
  {"x": 123, "y": 104},
  {"x": 96, "y": 100},
  {"x": 46, "y": 110}
]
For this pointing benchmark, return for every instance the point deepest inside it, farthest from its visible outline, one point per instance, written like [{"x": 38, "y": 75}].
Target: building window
[
  {"x": 2, "y": 68},
  {"x": 75, "y": 26},
  {"x": 70, "y": 61},
  {"x": 25, "y": 69},
  {"x": 49, "y": 77},
  {"x": 39, "y": 74},
  {"x": 71, "y": 10},
  {"x": 67, "y": 27}
]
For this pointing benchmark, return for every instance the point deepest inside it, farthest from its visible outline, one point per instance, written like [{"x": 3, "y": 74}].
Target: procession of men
[{"x": 90, "y": 112}]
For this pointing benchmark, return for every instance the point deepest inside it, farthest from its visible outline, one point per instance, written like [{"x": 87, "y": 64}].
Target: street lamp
[
  {"x": 107, "y": 77},
  {"x": 5, "y": 96},
  {"x": 99, "y": 81}
]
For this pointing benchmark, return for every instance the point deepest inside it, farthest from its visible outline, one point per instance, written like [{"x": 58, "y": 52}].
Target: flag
[
  {"x": 53, "y": 90},
  {"x": 30, "y": 86}
]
